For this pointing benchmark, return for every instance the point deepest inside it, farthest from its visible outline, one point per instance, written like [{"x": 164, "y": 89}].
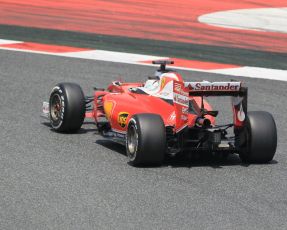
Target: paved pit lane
[{"x": 78, "y": 181}]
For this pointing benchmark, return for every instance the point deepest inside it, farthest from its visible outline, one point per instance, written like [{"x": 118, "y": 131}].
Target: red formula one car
[{"x": 166, "y": 115}]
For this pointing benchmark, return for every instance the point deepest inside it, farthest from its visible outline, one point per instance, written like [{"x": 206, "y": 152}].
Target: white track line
[
  {"x": 255, "y": 72},
  {"x": 6, "y": 42}
]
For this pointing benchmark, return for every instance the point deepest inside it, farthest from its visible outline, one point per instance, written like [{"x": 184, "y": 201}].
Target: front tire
[
  {"x": 260, "y": 138},
  {"x": 146, "y": 140},
  {"x": 67, "y": 107}
]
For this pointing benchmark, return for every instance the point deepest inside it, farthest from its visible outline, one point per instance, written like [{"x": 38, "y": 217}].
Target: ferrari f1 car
[{"x": 165, "y": 115}]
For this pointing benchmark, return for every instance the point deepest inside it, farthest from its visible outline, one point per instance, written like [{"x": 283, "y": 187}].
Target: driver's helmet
[
  {"x": 151, "y": 84},
  {"x": 163, "y": 86},
  {"x": 163, "y": 79}
]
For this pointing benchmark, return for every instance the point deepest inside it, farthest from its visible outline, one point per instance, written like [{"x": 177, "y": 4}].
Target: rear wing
[
  {"x": 233, "y": 89},
  {"x": 206, "y": 88}
]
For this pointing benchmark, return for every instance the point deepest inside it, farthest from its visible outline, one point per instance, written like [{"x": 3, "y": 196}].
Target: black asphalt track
[{"x": 78, "y": 181}]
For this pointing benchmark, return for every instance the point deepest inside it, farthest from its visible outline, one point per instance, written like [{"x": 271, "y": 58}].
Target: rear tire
[
  {"x": 146, "y": 140},
  {"x": 260, "y": 138},
  {"x": 67, "y": 107}
]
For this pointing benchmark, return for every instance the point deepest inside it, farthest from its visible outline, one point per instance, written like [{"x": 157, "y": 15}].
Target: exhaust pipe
[{"x": 202, "y": 122}]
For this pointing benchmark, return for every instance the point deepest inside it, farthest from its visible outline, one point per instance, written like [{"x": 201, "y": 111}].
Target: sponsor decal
[
  {"x": 120, "y": 135},
  {"x": 108, "y": 107},
  {"x": 181, "y": 104},
  {"x": 172, "y": 117},
  {"x": 180, "y": 96},
  {"x": 213, "y": 86},
  {"x": 177, "y": 87},
  {"x": 122, "y": 119},
  {"x": 180, "y": 99}
]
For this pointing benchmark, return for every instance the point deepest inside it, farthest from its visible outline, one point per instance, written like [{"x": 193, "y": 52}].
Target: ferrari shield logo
[{"x": 122, "y": 119}]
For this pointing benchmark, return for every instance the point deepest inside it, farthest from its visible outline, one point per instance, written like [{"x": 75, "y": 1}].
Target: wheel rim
[
  {"x": 56, "y": 107},
  {"x": 132, "y": 142}
]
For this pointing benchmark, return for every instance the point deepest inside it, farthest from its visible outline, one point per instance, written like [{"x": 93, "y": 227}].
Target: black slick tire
[
  {"x": 260, "y": 136},
  {"x": 67, "y": 107},
  {"x": 146, "y": 140}
]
